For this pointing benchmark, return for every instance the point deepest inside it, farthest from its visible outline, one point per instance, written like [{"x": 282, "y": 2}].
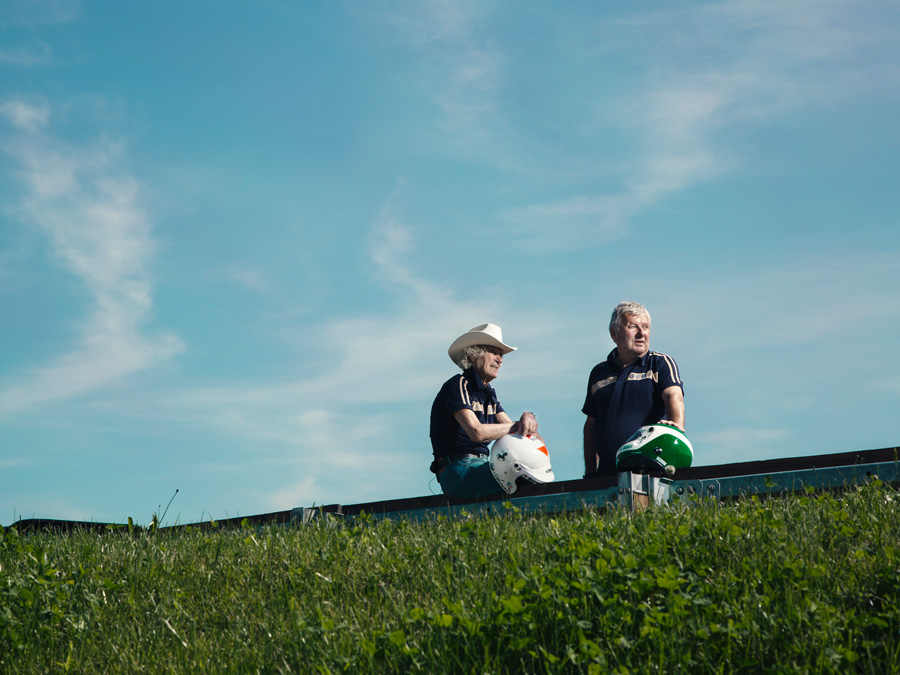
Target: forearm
[
  {"x": 485, "y": 433},
  {"x": 527, "y": 424},
  {"x": 590, "y": 448},
  {"x": 674, "y": 400}
]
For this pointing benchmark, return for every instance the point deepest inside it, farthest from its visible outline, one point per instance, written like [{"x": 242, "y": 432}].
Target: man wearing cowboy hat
[{"x": 466, "y": 416}]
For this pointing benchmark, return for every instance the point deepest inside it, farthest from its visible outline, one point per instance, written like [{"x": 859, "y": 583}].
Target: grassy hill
[{"x": 805, "y": 583}]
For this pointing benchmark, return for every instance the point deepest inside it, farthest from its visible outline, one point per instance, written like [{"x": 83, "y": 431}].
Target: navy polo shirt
[
  {"x": 465, "y": 391},
  {"x": 622, "y": 400}
]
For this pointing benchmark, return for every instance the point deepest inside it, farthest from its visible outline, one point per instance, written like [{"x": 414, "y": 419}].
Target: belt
[{"x": 447, "y": 460}]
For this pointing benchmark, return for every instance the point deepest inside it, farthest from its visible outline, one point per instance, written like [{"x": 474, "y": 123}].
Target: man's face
[
  {"x": 632, "y": 337},
  {"x": 488, "y": 364}
]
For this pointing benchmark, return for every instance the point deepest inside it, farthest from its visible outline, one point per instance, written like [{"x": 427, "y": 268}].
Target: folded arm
[{"x": 484, "y": 433}]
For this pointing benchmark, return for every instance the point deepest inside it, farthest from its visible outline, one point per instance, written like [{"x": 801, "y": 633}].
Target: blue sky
[{"x": 236, "y": 239}]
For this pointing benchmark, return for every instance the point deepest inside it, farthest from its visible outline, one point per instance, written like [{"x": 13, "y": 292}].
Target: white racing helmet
[
  {"x": 655, "y": 447},
  {"x": 515, "y": 457}
]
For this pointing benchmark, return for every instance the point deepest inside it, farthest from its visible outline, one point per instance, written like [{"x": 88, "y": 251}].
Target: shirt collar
[
  {"x": 475, "y": 379},
  {"x": 614, "y": 358}
]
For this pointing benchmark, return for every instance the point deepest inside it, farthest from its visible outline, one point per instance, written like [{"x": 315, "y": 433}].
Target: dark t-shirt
[
  {"x": 463, "y": 391},
  {"x": 622, "y": 400}
]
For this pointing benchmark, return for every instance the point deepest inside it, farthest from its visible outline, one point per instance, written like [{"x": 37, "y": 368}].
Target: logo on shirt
[
  {"x": 602, "y": 383},
  {"x": 491, "y": 408},
  {"x": 649, "y": 375}
]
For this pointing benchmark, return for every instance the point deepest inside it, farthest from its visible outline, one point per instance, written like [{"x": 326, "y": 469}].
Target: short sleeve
[
  {"x": 590, "y": 402},
  {"x": 590, "y": 407},
  {"x": 455, "y": 394},
  {"x": 669, "y": 375}
]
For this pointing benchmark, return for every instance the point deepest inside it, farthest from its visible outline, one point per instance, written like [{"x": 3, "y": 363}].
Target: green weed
[{"x": 798, "y": 584}]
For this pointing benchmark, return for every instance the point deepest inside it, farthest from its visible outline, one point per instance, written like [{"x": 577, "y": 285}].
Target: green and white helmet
[
  {"x": 517, "y": 458},
  {"x": 655, "y": 447}
]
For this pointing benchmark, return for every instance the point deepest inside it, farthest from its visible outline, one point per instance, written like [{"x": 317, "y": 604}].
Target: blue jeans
[{"x": 469, "y": 478}]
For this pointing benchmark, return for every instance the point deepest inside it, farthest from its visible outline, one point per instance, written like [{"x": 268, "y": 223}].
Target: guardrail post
[{"x": 641, "y": 491}]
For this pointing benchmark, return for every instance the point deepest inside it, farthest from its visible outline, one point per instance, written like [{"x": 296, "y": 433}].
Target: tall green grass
[{"x": 796, "y": 584}]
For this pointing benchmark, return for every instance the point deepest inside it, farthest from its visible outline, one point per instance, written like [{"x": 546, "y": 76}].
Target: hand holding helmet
[
  {"x": 527, "y": 425},
  {"x": 655, "y": 447}
]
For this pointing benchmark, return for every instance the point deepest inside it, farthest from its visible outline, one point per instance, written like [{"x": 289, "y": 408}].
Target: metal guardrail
[
  {"x": 831, "y": 478},
  {"x": 638, "y": 491},
  {"x": 629, "y": 490}
]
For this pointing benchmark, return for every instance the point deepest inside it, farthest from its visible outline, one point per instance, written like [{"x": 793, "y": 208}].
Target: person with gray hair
[
  {"x": 466, "y": 416},
  {"x": 632, "y": 388}
]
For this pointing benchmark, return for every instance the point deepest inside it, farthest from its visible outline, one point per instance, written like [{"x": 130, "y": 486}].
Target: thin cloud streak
[
  {"x": 342, "y": 418},
  {"x": 357, "y": 349},
  {"x": 26, "y": 54},
  {"x": 24, "y": 116},
  {"x": 14, "y": 462},
  {"x": 88, "y": 206},
  {"x": 36, "y": 13},
  {"x": 461, "y": 71},
  {"x": 764, "y": 60}
]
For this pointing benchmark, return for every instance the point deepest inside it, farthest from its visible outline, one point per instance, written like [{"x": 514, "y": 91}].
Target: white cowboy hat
[{"x": 485, "y": 334}]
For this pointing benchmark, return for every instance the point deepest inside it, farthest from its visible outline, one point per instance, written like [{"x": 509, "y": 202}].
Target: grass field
[{"x": 806, "y": 583}]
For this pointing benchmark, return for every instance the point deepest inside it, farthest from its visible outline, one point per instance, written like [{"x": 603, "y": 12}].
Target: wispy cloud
[
  {"x": 25, "y": 117},
  {"x": 14, "y": 462},
  {"x": 26, "y": 53},
  {"x": 715, "y": 71},
  {"x": 462, "y": 70},
  {"x": 355, "y": 350},
  {"x": 432, "y": 22},
  {"x": 34, "y": 13},
  {"x": 88, "y": 205},
  {"x": 251, "y": 278},
  {"x": 369, "y": 399}
]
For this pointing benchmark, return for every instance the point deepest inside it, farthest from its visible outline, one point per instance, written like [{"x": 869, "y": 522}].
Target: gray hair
[
  {"x": 470, "y": 355},
  {"x": 623, "y": 309}
]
